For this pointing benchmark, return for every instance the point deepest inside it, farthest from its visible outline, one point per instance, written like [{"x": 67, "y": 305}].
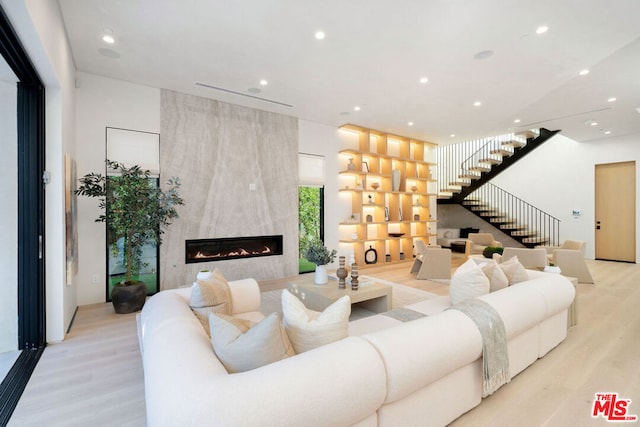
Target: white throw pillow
[
  {"x": 242, "y": 345},
  {"x": 211, "y": 295},
  {"x": 308, "y": 329},
  {"x": 514, "y": 271},
  {"x": 468, "y": 281},
  {"x": 497, "y": 278}
]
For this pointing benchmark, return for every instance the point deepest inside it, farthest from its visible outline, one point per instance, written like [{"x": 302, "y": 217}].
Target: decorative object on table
[
  {"x": 365, "y": 167},
  {"x": 395, "y": 180},
  {"x": 375, "y": 186},
  {"x": 354, "y": 277},
  {"x": 416, "y": 217},
  {"x": 136, "y": 214},
  {"x": 387, "y": 257},
  {"x": 490, "y": 250},
  {"x": 386, "y": 213},
  {"x": 341, "y": 272},
  {"x": 369, "y": 218},
  {"x": 351, "y": 166},
  {"x": 552, "y": 268},
  {"x": 318, "y": 254},
  {"x": 203, "y": 275},
  {"x": 370, "y": 256}
]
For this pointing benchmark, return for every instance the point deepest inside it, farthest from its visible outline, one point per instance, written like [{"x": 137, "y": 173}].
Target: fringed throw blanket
[{"x": 495, "y": 357}]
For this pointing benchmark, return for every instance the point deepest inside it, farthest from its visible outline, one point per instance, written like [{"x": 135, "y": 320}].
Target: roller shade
[
  {"x": 132, "y": 147},
  {"x": 311, "y": 170}
]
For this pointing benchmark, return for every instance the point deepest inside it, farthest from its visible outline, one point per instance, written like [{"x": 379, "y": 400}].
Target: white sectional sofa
[{"x": 426, "y": 372}]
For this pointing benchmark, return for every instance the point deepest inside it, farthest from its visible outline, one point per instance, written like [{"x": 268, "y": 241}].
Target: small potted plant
[
  {"x": 490, "y": 250},
  {"x": 136, "y": 213},
  {"x": 317, "y": 253}
]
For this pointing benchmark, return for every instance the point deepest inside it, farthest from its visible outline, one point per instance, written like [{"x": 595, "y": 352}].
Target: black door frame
[{"x": 31, "y": 223}]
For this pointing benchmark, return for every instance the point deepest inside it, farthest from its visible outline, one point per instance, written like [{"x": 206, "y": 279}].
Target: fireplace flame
[{"x": 234, "y": 252}]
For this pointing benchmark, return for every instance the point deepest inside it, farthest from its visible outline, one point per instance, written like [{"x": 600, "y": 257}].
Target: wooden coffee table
[{"x": 372, "y": 296}]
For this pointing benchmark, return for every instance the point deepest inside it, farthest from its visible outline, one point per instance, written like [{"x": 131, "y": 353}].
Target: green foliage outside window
[{"x": 309, "y": 216}]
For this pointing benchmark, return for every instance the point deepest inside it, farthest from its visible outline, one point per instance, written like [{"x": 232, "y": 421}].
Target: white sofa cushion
[
  {"x": 210, "y": 295},
  {"x": 468, "y": 281},
  {"x": 242, "y": 345},
  {"x": 514, "y": 271},
  {"x": 308, "y": 329}
]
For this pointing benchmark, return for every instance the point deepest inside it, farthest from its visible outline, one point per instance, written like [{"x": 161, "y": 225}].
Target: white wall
[
  {"x": 559, "y": 176},
  {"x": 8, "y": 218},
  {"x": 39, "y": 26},
  {"x": 100, "y": 103}
]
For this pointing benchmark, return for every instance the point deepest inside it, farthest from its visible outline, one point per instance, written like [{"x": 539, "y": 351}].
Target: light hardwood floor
[{"x": 95, "y": 376}]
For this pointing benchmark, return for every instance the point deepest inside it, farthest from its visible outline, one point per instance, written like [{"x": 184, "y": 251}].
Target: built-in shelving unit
[{"x": 393, "y": 194}]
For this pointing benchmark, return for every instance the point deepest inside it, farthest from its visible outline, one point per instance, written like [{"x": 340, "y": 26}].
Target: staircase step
[
  {"x": 464, "y": 183},
  {"x": 537, "y": 240},
  {"x": 491, "y": 160},
  {"x": 530, "y": 133},
  {"x": 452, "y": 190},
  {"x": 523, "y": 233},
  {"x": 512, "y": 226},
  {"x": 442, "y": 195},
  {"x": 504, "y": 151},
  {"x": 499, "y": 220},
  {"x": 470, "y": 176},
  {"x": 480, "y": 168},
  {"x": 517, "y": 142}
]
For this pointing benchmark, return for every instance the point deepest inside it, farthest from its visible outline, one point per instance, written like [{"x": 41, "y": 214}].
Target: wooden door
[{"x": 615, "y": 211}]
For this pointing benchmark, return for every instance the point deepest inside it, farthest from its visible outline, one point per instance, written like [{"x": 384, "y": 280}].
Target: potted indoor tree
[
  {"x": 136, "y": 212},
  {"x": 317, "y": 253}
]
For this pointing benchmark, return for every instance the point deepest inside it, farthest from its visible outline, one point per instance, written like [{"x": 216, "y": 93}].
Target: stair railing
[{"x": 541, "y": 227}]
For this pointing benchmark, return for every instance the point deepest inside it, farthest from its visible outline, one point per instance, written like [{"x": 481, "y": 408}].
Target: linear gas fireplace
[{"x": 205, "y": 250}]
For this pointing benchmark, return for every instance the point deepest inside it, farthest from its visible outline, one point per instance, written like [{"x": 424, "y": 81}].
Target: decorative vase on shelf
[
  {"x": 395, "y": 180},
  {"x": 341, "y": 272},
  {"x": 351, "y": 166},
  {"x": 321, "y": 278}
]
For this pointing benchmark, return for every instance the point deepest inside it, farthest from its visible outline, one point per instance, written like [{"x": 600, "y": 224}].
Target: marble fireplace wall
[{"x": 239, "y": 172}]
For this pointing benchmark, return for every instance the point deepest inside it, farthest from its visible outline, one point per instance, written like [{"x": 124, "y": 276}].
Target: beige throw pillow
[
  {"x": 308, "y": 329},
  {"x": 514, "y": 271},
  {"x": 468, "y": 281},
  {"x": 497, "y": 278},
  {"x": 242, "y": 345},
  {"x": 210, "y": 296}
]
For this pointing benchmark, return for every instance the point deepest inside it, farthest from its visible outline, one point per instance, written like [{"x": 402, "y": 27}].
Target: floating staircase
[{"x": 468, "y": 167}]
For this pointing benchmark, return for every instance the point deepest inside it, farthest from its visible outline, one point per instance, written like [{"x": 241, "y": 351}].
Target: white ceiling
[{"x": 374, "y": 54}]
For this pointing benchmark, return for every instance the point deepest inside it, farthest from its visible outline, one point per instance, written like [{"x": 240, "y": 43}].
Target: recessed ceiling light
[
  {"x": 356, "y": 108},
  {"x": 607, "y": 132},
  {"x": 424, "y": 80},
  {"x": 263, "y": 82},
  {"x": 108, "y": 39},
  {"x": 594, "y": 124},
  {"x": 453, "y": 135},
  {"x": 612, "y": 99},
  {"x": 410, "y": 123},
  {"x": 516, "y": 121},
  {"x": 542, "y": 29},
  {"x": 584, "y": 72},
  {"x": 319, "y": 35},
  {"x": 477, "y": 104}
]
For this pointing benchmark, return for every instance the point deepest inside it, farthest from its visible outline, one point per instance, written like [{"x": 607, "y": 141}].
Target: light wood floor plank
[{"x": 95, "y": 376}]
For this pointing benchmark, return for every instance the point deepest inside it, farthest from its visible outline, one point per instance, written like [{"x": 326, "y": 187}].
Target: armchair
[
  {"x": 432, "y": 262},
  {"x": 478, "y": 241},
  {"x": 570, "y": 258},
  {"x": 529, "y": 258}
]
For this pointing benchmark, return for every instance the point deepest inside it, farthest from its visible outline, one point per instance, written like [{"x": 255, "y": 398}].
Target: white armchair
[
  {"x": 478, "y": 241},
  {"x": 570, "y": 258},
  {"x": 529, "y": 258},
  {"x": 432, "y": 262}
]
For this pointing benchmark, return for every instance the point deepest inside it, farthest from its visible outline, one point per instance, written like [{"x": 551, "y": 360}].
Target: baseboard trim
[{"x": 16, "y": 381}]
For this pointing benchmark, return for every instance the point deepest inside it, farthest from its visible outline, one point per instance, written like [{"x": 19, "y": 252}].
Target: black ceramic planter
[{"x": 129, "y": 298}]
